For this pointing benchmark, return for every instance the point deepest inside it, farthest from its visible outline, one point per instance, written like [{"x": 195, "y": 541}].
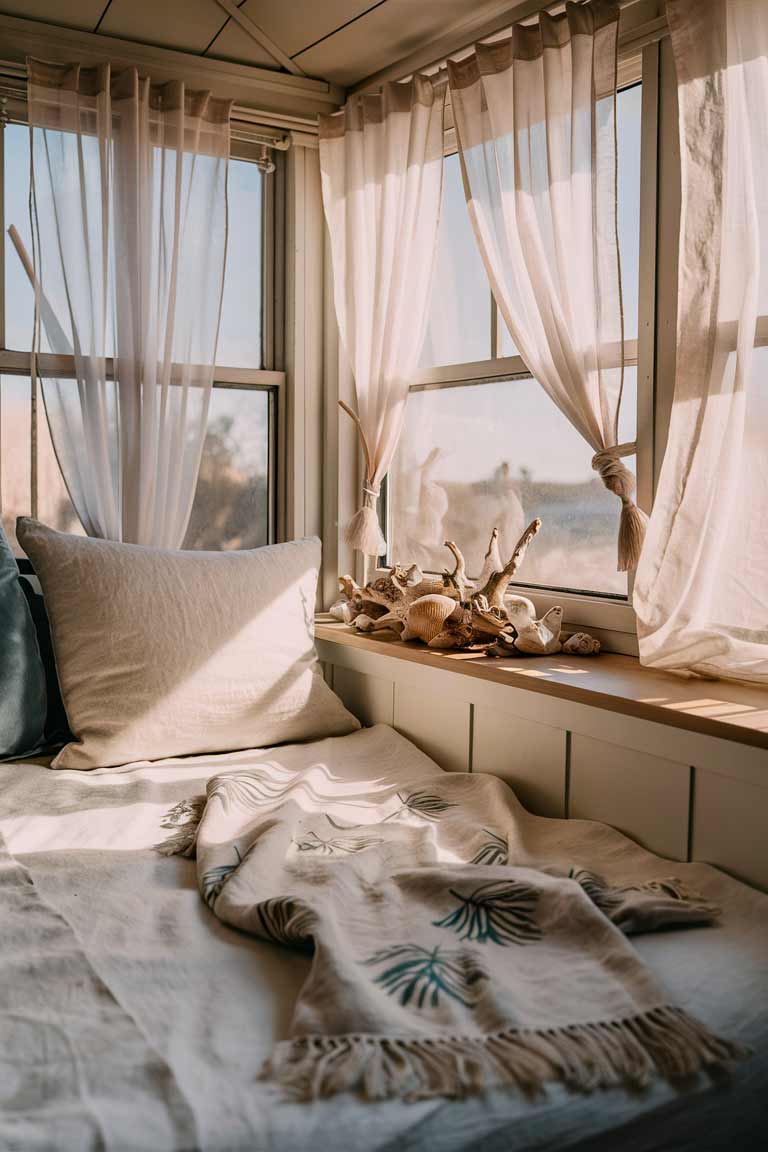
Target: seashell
[
  {"x": 581, "y": 644},
  {"x": 426, "y": 617},
  {"x": 541, "y": 637},
  {"x": 364, "y": 623},
  {"x": 520, "y": 610},
  {"x": 342, "y": 610}
]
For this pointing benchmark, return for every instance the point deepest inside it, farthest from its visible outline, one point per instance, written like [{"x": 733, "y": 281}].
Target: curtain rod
[
  {"x": 630, "y": 43},
  {"x": 247, "y": 124}
]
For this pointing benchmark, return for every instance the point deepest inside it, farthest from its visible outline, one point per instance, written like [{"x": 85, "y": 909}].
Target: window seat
[
  {"x": 679, "y": 765},
  {"x": 620, "y": 684}
]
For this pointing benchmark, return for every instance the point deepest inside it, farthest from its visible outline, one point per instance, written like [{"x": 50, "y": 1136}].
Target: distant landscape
[
  {"x": 231, "y": 507},
  {"x": 576, "y": 547}
]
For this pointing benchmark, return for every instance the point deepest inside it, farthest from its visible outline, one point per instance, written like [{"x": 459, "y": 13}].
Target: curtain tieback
[
  {"x": 615, "y": 475},
  {"x": 618, "y": 479},
  {"x": 364, "y": 531}
]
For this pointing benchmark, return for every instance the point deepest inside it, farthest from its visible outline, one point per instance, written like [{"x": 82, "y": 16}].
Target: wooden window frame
[{"x": 610, "y": 618}]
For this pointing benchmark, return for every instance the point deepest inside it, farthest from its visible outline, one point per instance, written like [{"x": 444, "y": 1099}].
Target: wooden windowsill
[{"x": 719, "y": 708}]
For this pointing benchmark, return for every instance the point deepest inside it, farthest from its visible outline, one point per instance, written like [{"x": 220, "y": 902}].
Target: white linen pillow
[{"x": 162, "y": 653}]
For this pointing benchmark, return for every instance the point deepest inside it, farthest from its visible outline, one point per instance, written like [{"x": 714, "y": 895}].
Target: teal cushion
[
  {"x": 56, "y": 727},
  {"x": 22, "y": 676}
]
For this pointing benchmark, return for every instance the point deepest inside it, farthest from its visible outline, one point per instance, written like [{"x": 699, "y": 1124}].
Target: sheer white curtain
[
  {"x": 381, "y": 161},
  {"x": 701, "y": 593},
  {"x": 535, "y": 118},
  {"x": 129, "y": 208}
]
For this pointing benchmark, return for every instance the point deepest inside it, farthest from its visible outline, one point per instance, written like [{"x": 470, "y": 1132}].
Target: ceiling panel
[
  {"x": 83, "y": 14},
  {"x": 383, "y": 36},
  {"x": 293, "y": 24},
  {"x": 187, "y": 25}
]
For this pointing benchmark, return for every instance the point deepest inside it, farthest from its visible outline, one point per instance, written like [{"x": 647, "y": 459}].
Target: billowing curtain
[
  {"x": 129, "y": 224},
  {"x": 535, "y": 118},
  {"x": 381, "y": 162},
  {"x": 701, "y": 593}
]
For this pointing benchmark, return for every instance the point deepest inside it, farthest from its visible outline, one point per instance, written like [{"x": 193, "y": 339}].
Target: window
[
  {"x": 483, "y": 445},
  {"x": 235, "y": 501}
]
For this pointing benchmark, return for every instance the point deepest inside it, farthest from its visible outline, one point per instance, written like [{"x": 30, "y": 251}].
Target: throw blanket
[{"x": 454, "y": 948}]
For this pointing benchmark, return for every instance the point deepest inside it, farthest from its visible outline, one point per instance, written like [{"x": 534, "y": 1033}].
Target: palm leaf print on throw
[
  {"x": 426, "y": 804},
  {"x": 251, "y": 789},
  {"x": 423, "y": 974},
  {"x": 606, "y": 899},
  {"x": 500, "y": 911},
  {"x": 184, "y": 819},
  {"x": 272, "y": 784},
  {"x": 286, "y": 921},
  {"x": 493, "y": 851},
  {"x": 335, "y": 844},
  {"x": 215, "y": 878}
]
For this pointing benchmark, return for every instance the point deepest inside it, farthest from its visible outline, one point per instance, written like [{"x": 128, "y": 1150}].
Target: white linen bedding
[{"x": 183, "y": 1010}]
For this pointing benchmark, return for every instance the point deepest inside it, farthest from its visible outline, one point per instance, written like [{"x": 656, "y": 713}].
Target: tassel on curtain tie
[
  {"x": 364, "y": 531},
  {"x": 618, "y": 479}
]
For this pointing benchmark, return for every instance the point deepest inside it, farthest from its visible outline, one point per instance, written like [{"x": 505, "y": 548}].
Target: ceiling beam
[{"x": 260, "y": 36}]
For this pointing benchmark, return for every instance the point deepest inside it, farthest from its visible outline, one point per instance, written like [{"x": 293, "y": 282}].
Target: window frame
[
  {"x": 609, "y": 617},
  {"x": 269, "y": 378}
]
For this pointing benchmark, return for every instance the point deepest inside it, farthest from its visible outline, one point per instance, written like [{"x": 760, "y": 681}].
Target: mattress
[{"x": 131, "y": 1018}]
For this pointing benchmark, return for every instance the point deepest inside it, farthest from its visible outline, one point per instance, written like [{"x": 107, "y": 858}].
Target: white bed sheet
[{"x": 188, "y": 1009}]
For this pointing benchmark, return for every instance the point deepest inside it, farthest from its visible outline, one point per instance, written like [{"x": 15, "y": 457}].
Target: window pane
[
  {"x": 459, "y": 329},
  {"x": 241, "y": 319},
  {"x": 628, "y": 112},
  {"x": 19, "y": 298},
  {"x": 53, "y": 504},
  {"x": 507, "y": 346},
  {"x": 496, "y": 455},
  {"x": 231, "y": 508},
  {"x": 15, "y": 452}
]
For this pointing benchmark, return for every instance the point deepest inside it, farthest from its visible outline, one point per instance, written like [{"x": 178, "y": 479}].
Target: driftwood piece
[
  {"x": 497, "y": 583},
  {"x": 454, "y": 611}
]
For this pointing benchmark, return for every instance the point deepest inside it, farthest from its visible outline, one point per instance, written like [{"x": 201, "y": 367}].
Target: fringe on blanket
[{"x": 629, "y": 1052}]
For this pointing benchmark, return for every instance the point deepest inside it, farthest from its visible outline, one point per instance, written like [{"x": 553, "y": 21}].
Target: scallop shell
[{"x": 428, "y": 616}]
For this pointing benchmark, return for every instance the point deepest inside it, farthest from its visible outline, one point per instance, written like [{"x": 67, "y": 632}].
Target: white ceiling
[{"x": 342, "y": 41}]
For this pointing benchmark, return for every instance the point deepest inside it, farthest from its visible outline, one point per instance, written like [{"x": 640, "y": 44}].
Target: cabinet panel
[
  {"x": 438, "y": 726},
  {"x": 528, "y": 755},
  {"x": 644, "y": 796},
  {"x": 730, "y": 826},
  {"x": 370, "y": 698}
]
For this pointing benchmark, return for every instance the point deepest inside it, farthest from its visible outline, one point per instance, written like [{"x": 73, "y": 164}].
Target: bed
[{"x": 133, "y": 1019}]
